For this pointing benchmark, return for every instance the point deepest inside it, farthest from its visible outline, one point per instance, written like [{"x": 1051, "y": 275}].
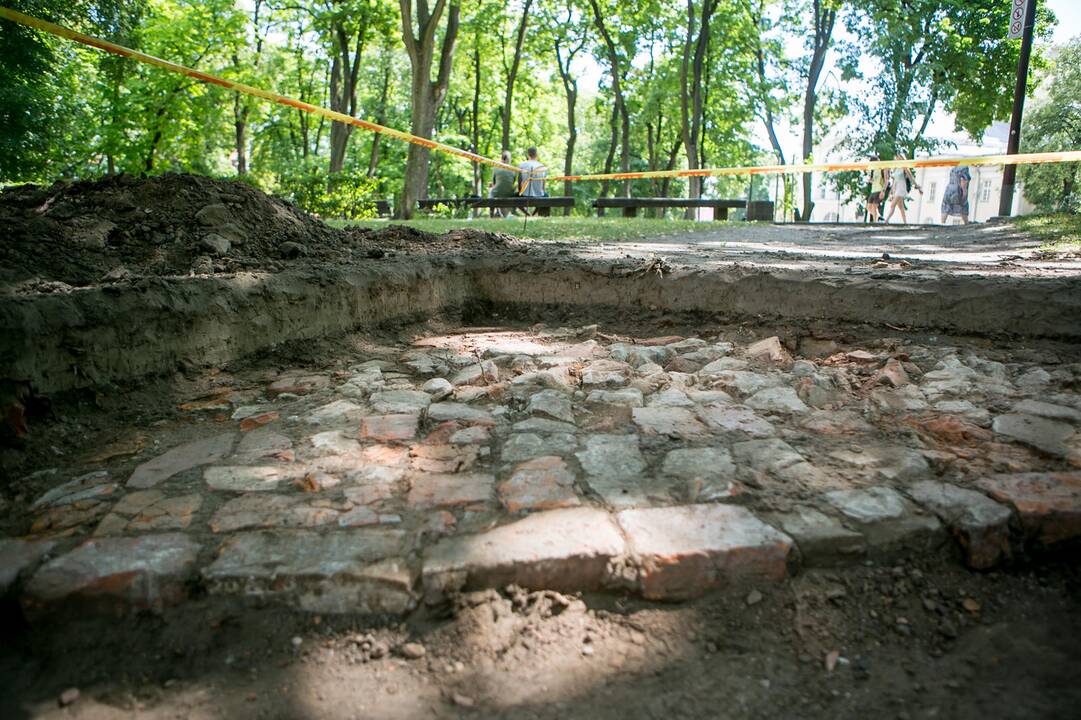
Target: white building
[{"x": 984, "y": 188}]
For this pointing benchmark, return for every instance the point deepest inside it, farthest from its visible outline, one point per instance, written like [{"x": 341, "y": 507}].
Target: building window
[
  {"x": 822, "y": 191},
  {"x": 985, "y": 191},
  {"x": 931, "y": 190},
  {"x": 831, "y": 217}
]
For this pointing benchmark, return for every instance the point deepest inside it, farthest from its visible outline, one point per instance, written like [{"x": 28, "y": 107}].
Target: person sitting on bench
[
  {"x": 504, "y": 185},
  {"x": 531, "y": 176}
]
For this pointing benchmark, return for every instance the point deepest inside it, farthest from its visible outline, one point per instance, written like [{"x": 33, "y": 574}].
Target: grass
[
  {"x": 1059, "y": 232},
  {"x": 575, "y": 229}
]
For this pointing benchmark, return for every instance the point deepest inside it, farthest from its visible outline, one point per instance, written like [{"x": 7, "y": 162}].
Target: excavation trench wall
[{"x": 95, "y": 336}]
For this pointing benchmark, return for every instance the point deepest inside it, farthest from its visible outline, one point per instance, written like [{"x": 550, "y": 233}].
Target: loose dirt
[
  {"x": 892, "y": 642},
  {"x": 84, "y": 233}
]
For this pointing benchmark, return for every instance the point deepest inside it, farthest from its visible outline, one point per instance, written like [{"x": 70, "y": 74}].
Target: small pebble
[{"x": 69, "y": 696}]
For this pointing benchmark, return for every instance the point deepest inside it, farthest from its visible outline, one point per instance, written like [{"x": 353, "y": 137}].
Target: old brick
[{"x": 1049, "y": 504}]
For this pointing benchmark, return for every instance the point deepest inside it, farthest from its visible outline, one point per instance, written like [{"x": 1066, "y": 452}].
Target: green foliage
[
  {"x": 348, "y": 196},
  {"x": 1059, "y": 232},
  {"x": 71, "y": 112},
  {"x": 1053, "y": 123}
]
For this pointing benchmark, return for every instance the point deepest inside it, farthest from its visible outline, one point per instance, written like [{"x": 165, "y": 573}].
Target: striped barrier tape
[
  {"x": 1019, "y": 159},
  {"x": 60, "y": 31},
  {"x": 107, "y": 46}
]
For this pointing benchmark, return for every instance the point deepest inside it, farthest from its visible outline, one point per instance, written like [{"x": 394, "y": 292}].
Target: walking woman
[
  {"x": 955, "y": 199},
  {"x": 903, "y": 182},
  {"x": 878, "y": 192}
]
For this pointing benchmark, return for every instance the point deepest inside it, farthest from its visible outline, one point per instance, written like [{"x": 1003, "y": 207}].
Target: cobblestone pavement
[{"x": 568, "y": 460}]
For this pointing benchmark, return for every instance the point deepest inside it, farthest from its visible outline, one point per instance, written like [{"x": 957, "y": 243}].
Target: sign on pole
[{"x": 1017, "y": 19}]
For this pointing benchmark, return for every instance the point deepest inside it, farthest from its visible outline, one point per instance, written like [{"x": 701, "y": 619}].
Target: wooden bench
[
  {"x": 543, "y": 205},
  {"x": 382, "y": 207},
  {"x": 756, "y": 210}
]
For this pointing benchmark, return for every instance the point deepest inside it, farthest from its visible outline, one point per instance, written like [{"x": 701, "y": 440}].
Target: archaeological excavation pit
[{"x": 384, "y": 422}]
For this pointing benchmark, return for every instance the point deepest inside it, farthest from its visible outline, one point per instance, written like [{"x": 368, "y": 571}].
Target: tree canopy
[{"x": 682, "y": 83}]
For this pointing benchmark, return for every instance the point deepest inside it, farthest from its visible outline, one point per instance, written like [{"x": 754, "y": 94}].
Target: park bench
[
  {"x": 756, "y": 210},
  {"x": 543, "y": 205}
]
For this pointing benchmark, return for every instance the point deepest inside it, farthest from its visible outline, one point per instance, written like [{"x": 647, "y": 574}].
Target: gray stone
[
  {"x": 1048, "y": 410},
  {"x": 260, "y": 443},
  {"x": 394, "y": 402},
  {"x": 85, "y": 487},
  {"x": 249, "y": 478},
  {"x": 822, "y": 540},
  {"x": 612, "y": 456},
  {"x": 181, "y": 458},
  {"x": 18, "y": 557},
  {"x": 148, "y": 572},
  {"x": 778, "y": 400},
  {"x": 566, "y": 550},
  {"x": 907, "y": 398},
  {"x": 332, "y": 442},
  {"x": 543, "y": 425},
  {"x": 443, "y": 411},
  {"x": 526, "y": 446},
  {"x": 979, "y": 523},
  {"x": 888, "y": 463},
  {"x": 887, "y": 521},
  {"x": 683, "y": 552},
  {"x": 553, "y": 404},
  {"x": 964, "y": 408},
  {"x": 709, "y": 397},
  {"x": 705, "y": 474},
  {"x": 475, "y": 435},
  {"x": 672, "y": 397},
  {"x": 213, "y": 214},
  {"x": 606, "y": 373},
  {"x": 357, "y": 571},
  {"x": 438, "y": 388},
  {"x": 636, "y": 355},
  {"x": 674, "y": 422},
  {"x": 270, "y": 510},
  {"x": 1034, "y": 379},
  {"x": 215, "y": 244},
  {"x": 481, "y": 373},
  {"x": 1049, "y": 436},
  {"x": 743, "y": 382},
  {"x": 737, "y": 419},
  {"x": 777, "y": 458},
  {"x": 339, "y": 412},
  {"x": 627, "y": 397}
]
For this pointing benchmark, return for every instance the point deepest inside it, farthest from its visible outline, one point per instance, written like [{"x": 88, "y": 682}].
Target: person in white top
[
  {"x": 902, "y": 180},
  {"x": 529, "y": 174}
]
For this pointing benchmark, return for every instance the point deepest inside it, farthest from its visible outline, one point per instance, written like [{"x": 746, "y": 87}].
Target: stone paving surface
[{"x": 570, "y": 460}]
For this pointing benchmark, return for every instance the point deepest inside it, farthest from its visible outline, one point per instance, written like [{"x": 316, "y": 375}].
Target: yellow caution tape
[
  {"x": 1020, "y": 159},
  {"x": 240, "y": 87}
]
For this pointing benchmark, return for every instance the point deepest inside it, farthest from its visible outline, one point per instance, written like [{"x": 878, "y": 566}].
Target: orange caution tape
[
  {"x": 240, "y": 87},
  {"x": 1020, "y": 159}
]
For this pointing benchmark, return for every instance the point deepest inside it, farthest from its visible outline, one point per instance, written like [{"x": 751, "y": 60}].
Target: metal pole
[{"x": 1009, "y": 172}]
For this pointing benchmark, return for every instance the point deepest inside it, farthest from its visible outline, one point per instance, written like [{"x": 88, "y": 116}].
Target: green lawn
[
  {"x": 577, "y": 229},
  {"x": 1060, "y": 232}
]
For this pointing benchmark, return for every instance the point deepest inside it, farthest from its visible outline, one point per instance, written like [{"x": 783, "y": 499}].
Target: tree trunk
[
  {"x": 570, "y": 90},
  {"x": 610, "y": 158},
  {"x": 343, "y": 87},
  {"x": 478, "y": 182},
  {"x": 426, "y": 95},
  {"x": 513, "y": 74},
  {"x": 823, "y": 28},
  {"x": 617, "y": 91},
  {"x": 380, "y": 114},
  {"x": 691, "y": 98},
  {"x": 240, "y": 122}
]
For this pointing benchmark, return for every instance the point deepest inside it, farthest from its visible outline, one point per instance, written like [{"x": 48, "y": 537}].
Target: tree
[
  {"x": 1054, "y": 123},
  {"x": 568, "y": 40},
  {"x": 823, "y": 19},
  {"x": 426, "y": 95},
  {"x": 691, "y": 90},
  {"x": 617, "y": 65},
  {"x": 512, "y": 73}
]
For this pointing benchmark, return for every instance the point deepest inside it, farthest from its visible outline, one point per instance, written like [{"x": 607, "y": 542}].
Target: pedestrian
[
  {"x": 504, "y": 185},
  {"x": 878, "y": 191},
  {"x": 955, "y": 198},
  {"x": 903, "y": 181}
]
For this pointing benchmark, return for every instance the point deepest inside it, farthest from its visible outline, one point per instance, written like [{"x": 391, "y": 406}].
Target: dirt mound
[{"x": 88, "y": 232}]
